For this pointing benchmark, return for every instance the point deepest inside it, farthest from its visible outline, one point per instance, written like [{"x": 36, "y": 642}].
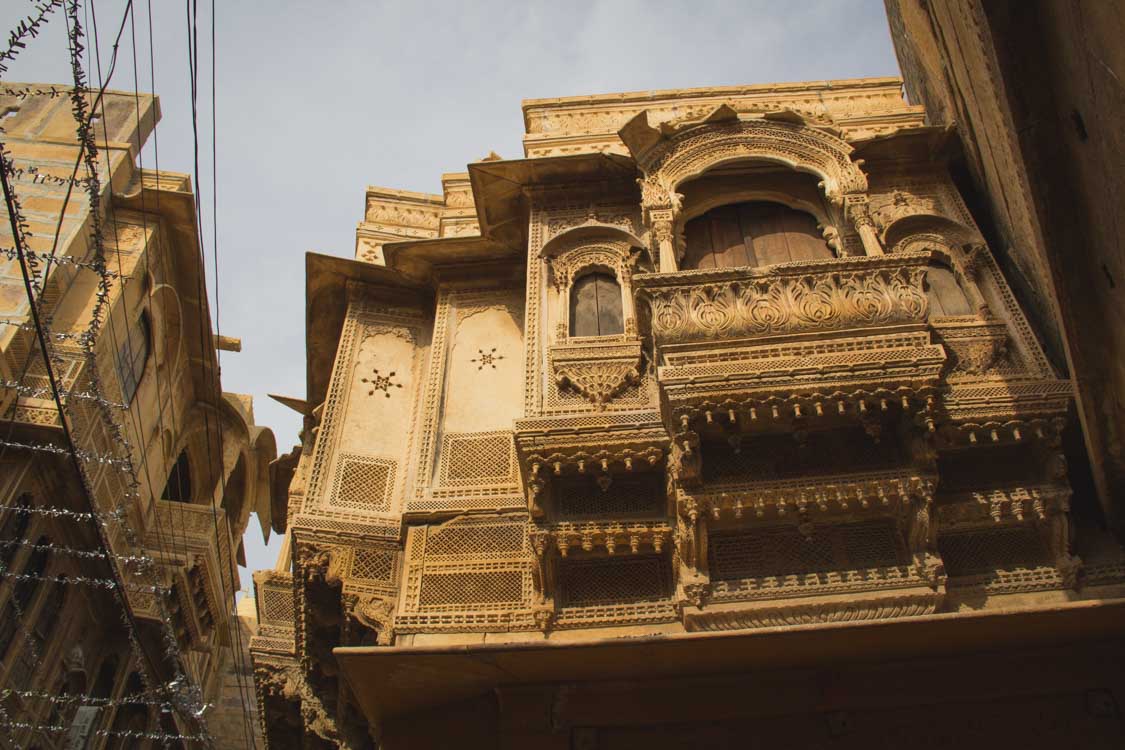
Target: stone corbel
[
  {"x": 598, "y": 382},
  {"x": 542, "y": 580},
  {"x": 693, "y": 584},
  {"x": 376, "y": 614},
  {"x": 598, "y": 374},
  {"x": 858, "y": 211},
  {"x": 684, "y": 460}
]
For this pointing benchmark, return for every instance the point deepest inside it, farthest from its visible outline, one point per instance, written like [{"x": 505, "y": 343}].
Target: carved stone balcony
[
  {"x": 771, "y": 349},
  {"x": 601, "y": 445}
]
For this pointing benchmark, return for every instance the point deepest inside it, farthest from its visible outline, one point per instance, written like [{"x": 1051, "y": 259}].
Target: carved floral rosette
[{"x": 789, "y": 299}]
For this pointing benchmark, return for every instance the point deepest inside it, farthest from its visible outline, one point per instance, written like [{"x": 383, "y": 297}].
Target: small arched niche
[{"x": 590, "y": 272}]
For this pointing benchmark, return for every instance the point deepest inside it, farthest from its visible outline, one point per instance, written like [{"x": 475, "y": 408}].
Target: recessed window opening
[
  {"x": 595, "y": 306},
  {"x": 752, "y": 233}
]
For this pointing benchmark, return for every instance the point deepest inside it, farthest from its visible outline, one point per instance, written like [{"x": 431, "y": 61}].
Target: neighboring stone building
[
  {"x": 711, "y": 423},
  {"x": 202, "y": 464},
  {"x": 1036, "y": 91}
]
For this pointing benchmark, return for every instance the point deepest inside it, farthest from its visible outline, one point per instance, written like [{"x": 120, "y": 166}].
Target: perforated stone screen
[
  {"x": 584, "y": 583},
  {"x": 376, "y": 565},
  {"x": 363, "y": 483},
  {"x": 473, "y": 459},
  {"x": 785, "y": 551},
  {"x": 472, "y": 588},
  {"x": 277, "y": 604},
  {"x": 988, "y": 550},
  {"x": 628, "y": 496}
]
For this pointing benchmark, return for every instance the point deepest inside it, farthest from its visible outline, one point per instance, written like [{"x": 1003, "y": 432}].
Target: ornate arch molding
[
  {"x": 692, "y": 152},
  {"x": 910, "y": 229},
  {"x": 616, "y": 256},
  {"x": 671, "y": 155},
  {"x": 950, "y": 243}
]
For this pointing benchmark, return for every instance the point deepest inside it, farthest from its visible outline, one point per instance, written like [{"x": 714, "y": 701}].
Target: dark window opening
[
  {"x": 595, "y": 306},
  {"x": 178, "y": 487},
  {"x": 754, "y": 233}
]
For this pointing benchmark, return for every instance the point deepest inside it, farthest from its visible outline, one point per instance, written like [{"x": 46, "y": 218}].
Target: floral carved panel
[{"x": 742, "y": 304}]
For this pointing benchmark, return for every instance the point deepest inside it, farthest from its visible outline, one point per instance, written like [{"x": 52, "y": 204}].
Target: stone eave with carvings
[
  {"x": 418, "y": 259},
  {"x": 499, "y": 186}
]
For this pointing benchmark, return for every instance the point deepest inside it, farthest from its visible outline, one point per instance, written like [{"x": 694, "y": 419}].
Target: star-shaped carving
[
  {"x": 380, "y": 382},
  {"x": 486, "y": 359}
]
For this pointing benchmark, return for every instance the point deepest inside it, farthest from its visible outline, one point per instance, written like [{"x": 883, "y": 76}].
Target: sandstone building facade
[
  {"x": 171, "y": 467},
  {"x": 712, "y": 422}
]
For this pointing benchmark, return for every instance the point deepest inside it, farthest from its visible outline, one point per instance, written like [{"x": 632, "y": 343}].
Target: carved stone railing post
[{"x": 860, "y": 214}]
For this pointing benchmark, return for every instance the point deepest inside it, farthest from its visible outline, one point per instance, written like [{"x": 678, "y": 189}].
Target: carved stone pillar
[
  {"x": 664, "y": 239},
  {"x": 972, "y": 268},
  {"x": 857, "y": 209}
]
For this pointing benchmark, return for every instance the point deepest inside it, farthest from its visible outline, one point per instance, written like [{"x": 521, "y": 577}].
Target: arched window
[
  {"x": 178, "y": 486},
  {"x": 754, "y": 233},
  {"x": 132, "y": 356},
  {"x": 107, "y": 675},
  {"x": 945, "y": 294},
  {"x": 595, "y": 306}
]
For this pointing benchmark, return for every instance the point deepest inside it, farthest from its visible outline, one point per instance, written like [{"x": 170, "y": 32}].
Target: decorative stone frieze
[{"x": 789, "y": 299}]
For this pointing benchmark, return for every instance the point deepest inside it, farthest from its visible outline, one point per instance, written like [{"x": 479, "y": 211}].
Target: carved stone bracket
[
  {"x": 376, "y": 613},
  {"x": 597, "y": 371},
  {"x": 608, "y": 537}
]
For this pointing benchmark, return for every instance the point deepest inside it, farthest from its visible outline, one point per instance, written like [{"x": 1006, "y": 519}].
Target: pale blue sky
[{"x": 317, "y": 100}]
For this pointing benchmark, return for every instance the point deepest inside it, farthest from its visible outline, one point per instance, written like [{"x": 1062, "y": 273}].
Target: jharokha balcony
[{"x": 800, "y": 346}]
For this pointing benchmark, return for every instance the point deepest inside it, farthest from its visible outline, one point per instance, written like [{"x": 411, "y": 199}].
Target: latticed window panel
[
  {"x": 614, "y": 581},
  {"x": 784, "y": 551},
  {"x": 475, "y": 539},
  {"x": 475, "y": 459},
  {"x": 991, "y": 550},
  {"x": 375, "y": 565},
  {"x": 363, "y": 483},
  {"x": 277, "y": 604},
  {"x": 626, "y": 496},
  {"x": 471, "y": 590}
]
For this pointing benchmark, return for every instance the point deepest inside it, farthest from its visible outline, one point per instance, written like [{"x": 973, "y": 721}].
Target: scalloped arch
[{"x": 694, "y": 151}]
